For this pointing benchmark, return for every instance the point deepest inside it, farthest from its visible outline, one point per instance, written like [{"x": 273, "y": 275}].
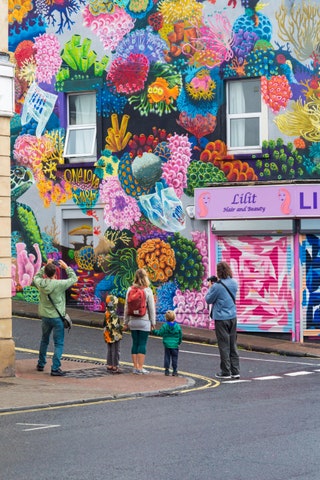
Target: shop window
[
  {"x": 81, "y": 143},
  {"x": 246, "y": 116}
]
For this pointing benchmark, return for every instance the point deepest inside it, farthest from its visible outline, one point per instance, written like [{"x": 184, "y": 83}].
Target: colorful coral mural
[{"x": 106, "y": 188}]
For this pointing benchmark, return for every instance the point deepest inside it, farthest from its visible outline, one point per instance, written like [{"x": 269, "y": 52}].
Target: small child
[
  {"x": 171, "y": 334},
  {"x": 112, "y": 334}
]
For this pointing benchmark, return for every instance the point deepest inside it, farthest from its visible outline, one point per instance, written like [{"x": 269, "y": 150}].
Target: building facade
[{"x": 125, "y": 109}]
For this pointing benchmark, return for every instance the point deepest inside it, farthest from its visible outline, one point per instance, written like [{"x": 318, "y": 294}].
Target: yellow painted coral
[
  {"x": 303, "y": 120},
  {"x": 117, "y": 138},
  {"x": 177, "y": 10}
]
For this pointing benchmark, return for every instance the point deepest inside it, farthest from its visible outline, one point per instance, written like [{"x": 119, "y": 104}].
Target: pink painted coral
[
  {"x": 30, "y": 151},
  {"x": 129, "y": 74},
  {"x": 191, "y": 308},
  {"x": 201, "y": 242},
  {"x": 47, "y": 57},
  {"x": 109, "y": 27},
  {"x": 276, "y": 92},
  {"x": 175, "y": 169},
  {"x": 121, "y": 210}
]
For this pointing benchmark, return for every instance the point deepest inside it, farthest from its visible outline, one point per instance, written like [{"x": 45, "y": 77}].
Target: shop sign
[{"x": 265, "y": 201}]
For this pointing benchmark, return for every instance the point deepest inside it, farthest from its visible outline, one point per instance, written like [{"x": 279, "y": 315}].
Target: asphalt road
[{"x": 263, "y": 427}]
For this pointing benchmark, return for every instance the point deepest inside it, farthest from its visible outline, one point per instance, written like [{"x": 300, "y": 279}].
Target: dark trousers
[
  {"x": 171, "y": 354},
  {"x": 226, "y": 333}
]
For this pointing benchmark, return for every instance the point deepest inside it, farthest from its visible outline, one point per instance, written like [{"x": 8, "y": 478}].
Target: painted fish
[{"x": 159, "y": 91}]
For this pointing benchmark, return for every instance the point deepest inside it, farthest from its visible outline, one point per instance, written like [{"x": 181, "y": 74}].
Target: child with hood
[
  {"x": 112, "y": 334},
  {"x": 171, "y": 334}
]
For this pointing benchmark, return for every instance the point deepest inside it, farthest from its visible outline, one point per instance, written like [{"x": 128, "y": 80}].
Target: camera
[
  {"x": 212, "y": 279},
  {"x": 56, "y": 263}
]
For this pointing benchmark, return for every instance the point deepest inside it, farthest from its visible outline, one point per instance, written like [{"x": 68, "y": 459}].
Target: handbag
[
  {"x": 67, "y": 322},
  {"x": 231, "y": 295}
]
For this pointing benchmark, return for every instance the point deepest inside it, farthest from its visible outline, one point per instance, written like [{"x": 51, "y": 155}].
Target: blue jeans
[{"x": 49, "y": 324}]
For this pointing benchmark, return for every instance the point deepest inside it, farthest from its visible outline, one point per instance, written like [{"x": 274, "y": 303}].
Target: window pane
[
  {"x": 80, "y": 141},
  {"x": 82, "y": 109},
  {"x": 244, "y": 132},
  {"x": 244, "y": 96}
]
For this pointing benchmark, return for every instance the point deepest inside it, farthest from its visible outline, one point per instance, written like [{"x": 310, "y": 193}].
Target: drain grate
[{"x": 91, "y": 372}]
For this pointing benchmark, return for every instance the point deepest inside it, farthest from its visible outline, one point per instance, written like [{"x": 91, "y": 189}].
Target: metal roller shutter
[
  {"x": 310, "y": 284},
  {"x": 263, "y": 266}
]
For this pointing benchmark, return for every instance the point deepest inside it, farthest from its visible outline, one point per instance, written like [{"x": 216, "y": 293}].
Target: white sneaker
[{"x": 144, "y": 371}]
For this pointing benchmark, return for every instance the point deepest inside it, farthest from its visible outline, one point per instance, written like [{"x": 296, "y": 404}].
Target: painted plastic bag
[{"x": 163, "y": 208}]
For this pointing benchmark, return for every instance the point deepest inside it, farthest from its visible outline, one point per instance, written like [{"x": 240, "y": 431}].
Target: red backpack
[{"x": 137, "y": 302}]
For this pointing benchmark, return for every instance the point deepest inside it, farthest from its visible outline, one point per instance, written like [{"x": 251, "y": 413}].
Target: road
[{"x": 263, "y": 427}]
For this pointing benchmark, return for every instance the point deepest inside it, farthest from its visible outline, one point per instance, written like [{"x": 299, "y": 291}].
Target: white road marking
[
  {"x": 269, "y": 377},
  {"x": 37, "y": 426},
  {"x": 266, "y": 360},
  {"x": 296, "y": 374}
]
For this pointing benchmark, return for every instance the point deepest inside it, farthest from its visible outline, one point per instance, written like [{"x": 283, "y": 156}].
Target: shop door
[
  {"x": 263, "y": 266},
  {"x": 310, "y": 284}
]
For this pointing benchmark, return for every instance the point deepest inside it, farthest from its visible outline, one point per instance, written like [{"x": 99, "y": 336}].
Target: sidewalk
[{"x": 88, "y": 382}]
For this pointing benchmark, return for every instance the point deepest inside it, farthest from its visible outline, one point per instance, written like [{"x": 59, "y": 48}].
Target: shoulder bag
[
  {"x": 67, "y": 322},
  {"x": 231, "y": 295}
]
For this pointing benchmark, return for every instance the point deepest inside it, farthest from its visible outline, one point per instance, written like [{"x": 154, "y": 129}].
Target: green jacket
[
  {"x": 171, "y": 334},
  {"x": 56, "y": 289}
]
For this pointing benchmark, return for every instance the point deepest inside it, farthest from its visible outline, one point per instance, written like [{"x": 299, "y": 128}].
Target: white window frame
[
  {"x": 90, "y": 154},
  {"x": 261, "y": 115}
]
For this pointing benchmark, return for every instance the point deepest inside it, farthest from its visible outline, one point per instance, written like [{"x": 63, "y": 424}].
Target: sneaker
[
  {"x": 135, "y": 371},
  {"x": 144, "y": 371},
  {"x": 235, "y": 375},
  {"x": 175, "y": 374},
  {"x": 166, "y": 372},
  {"x": 224, "y": 376},
  {"x": 39, "y": 368},
  {"x": 58, "y": 373}
]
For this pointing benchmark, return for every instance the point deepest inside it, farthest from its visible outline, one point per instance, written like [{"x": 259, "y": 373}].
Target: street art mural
[{"x": 158, "y": 71}]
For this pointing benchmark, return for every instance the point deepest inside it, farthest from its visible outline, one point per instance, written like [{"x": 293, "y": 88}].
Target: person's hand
[
  {"x": 50, "y": 260},
  {"x": 124, "y": 328},
  {"x": 63, "y": 264}
]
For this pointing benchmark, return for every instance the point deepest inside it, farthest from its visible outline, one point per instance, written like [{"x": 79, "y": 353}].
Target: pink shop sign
[{"x": 265, "y": 201}]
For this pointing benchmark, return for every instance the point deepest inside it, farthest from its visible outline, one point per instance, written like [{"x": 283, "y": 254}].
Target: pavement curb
[{"x": 82, "y": 402}]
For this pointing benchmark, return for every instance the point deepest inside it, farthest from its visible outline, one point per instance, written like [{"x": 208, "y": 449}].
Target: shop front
[{"x": 270, "y": 235}]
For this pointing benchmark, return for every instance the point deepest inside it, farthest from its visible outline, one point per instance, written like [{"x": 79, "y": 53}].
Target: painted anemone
[{"x": 129, "y": 75}]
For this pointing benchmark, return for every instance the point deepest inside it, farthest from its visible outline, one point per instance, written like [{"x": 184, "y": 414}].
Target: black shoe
[
  {"x": 58, "y": 373},
  {"x": 175, "y": 374},
  {"x": 166, "y": 372},
  {"x": 235, "y": 375},
  {"x": 224, "y": 376},
  {"x": 40, "y": 368}
]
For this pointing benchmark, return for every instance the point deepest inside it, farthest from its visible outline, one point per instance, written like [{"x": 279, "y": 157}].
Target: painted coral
[
  {"x": 276, "y": 92},
  {"x": 111, "y": 27},
  {"x": 47, "y": 56},
  {"x": 158, "y": 258},
  {"x": 142, "y": 41},
  {"x": 175, "y": 169},
  {"x": 18, "y": 10},
  {"x": 121, "y": 210},
  {"x": 199, "y": 126},
  {"x": 129, "y": 74}
]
